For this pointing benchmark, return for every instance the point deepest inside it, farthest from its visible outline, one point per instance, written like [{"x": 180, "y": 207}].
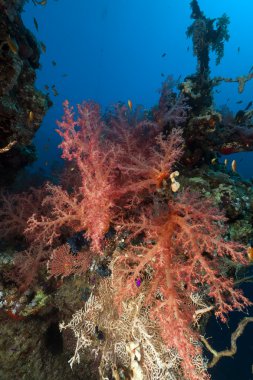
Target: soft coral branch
[
  {"x": 147, "y": 171},
  {"x": 114, "y": 165},
  {"x": 16, "y": 209},
  {"x": 58, "y": 210},
  {"x": 180, "y": 254}
]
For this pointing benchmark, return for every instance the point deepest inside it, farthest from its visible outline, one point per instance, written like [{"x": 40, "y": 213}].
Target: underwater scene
[{"x": 126, "y": 190}]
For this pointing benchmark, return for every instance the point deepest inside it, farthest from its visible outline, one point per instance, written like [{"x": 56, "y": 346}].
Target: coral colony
[{"x": 153, "y": 247}]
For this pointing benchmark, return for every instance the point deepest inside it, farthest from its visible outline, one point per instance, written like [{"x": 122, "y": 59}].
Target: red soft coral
[
  {"x": 178, "y": 258},
  {"x": 115, "y": 165},
  {"x": 16, "y": 209},
  {"x": 95, "y": 160},
  {"x": 145, "y": 156}
]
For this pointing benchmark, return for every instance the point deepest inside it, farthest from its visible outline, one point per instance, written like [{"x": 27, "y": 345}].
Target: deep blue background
[{"x": 111, "y": 51}]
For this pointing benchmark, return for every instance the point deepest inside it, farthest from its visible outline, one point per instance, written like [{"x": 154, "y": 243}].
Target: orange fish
[
  {"x": 233, "y": 166},
  {"x": 30, "y": 116},
  {"x": 250, "y": 253},
  {"x": 130, "y": 104}
]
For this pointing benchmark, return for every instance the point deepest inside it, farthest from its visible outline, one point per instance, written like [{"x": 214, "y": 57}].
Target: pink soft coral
[
  {"x": 94, "y": 157},
  {"x": 177, "y": 259},
  {"x": 16, "y": 209},
  {"x": 89, "y": 205},
  {"x": 115, "y": 166}
]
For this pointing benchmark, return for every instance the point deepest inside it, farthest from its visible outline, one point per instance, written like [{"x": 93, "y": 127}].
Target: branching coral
[{"x": 127, "y": 341}]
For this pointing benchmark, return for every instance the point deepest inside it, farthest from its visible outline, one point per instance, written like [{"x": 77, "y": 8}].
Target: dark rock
[{"x": 22, "y": 106}]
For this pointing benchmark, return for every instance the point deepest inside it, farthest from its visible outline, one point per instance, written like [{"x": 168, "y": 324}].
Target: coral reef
[
  {"x": 145, "y": 235},
  {"x": 22, "y": 106},
  {"x": 174, "y": 240}
]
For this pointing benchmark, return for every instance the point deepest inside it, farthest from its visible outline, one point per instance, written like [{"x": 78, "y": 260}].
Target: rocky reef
[{"x": 22, "y": 106}]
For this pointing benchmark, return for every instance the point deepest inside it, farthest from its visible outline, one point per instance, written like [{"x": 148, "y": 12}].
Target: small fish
[
  {"x": 214, "y": 161},
  {"x": 248, "y": 106},
  {"x": 239, "y": 102},
  {"x": 217, "y": 91},
  {"x": 233, "y": 166},
  {"x": 55, "y": 92},
  {"x": 37, "y": 2},
  {"x": 188, "y": 48},
  {"x": 130, "y": 104},
  {"x": 53, "y": 63},
  {"x": 64, "y": 75},
  {"x": 162, "y": 75},
  {"x": 12, "y": 45},
  {"x": 163, "y": 55},
  {"x": 250, "y": 253},
  {"x": 225, "y": 162},
  {"x": 30, "y": 116},
  {"x": 46, "y": 87},
  {"x": 43, "y": 47},
  {"x": 238, "y": 49},
  {"x": 36, "y": 24}
]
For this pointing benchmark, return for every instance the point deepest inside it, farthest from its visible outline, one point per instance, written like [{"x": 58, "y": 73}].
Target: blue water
[{"x": 111, "y": 50}]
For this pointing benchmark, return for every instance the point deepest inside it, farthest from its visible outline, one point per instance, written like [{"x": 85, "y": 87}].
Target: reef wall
[{"x": 22, "y": 106}]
